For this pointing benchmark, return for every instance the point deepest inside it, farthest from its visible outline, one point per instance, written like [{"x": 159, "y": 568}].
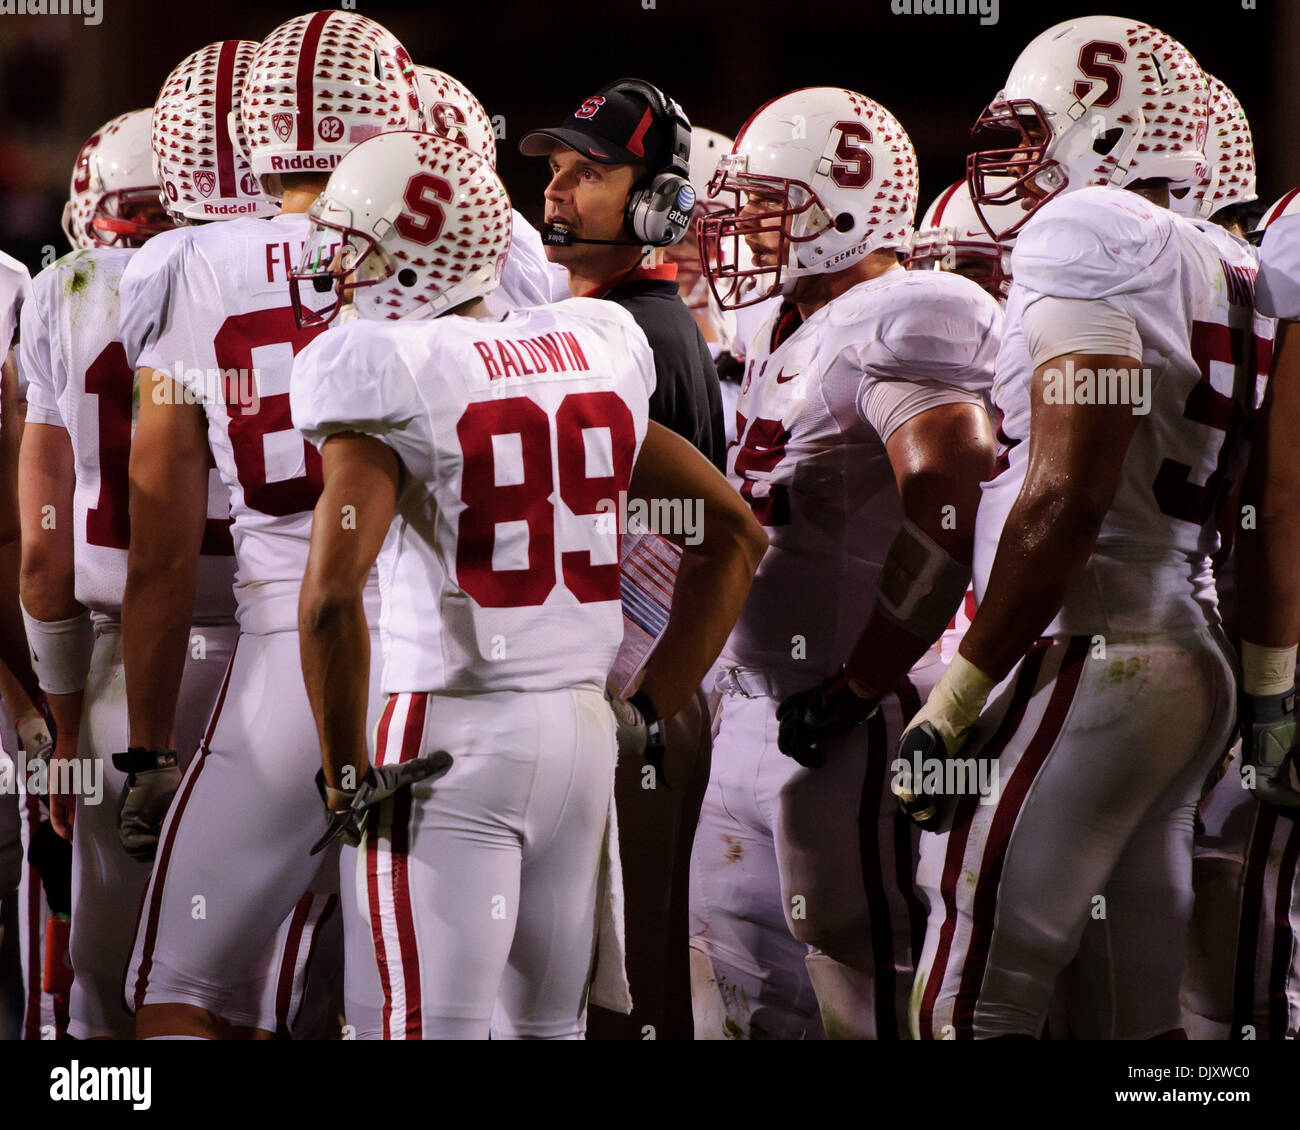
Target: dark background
[{"x": 532, "y": 61}]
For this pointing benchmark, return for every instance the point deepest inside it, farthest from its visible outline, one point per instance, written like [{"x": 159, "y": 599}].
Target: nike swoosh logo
[
  {"x": 780, "y": 379},
  {"x": 596, "y": 152}
]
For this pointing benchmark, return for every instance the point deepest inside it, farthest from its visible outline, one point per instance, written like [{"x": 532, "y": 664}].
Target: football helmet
[
  {"x": 1092, "y": 101},
  {"x": 113, "y": 174},
  {"x": 1288, "y": 205},
  {"x": 1230, "y": 153},
  {"x": 843, "y": 174},
  {"x": 320, "y": 84},
  {"x": 707, "y": 149},
  {"x": 451, "y": 110},
  {"x": 409, "y": 226},
  {"x": 951, "y": 237},
  {"x": 198, "y": 149}
]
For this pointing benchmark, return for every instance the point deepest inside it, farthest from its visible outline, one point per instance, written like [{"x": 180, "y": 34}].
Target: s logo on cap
[{"x": 588, "y": 108}]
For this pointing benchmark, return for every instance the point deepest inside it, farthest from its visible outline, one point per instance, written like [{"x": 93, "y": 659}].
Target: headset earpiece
[{"x": 659, "y": 210}]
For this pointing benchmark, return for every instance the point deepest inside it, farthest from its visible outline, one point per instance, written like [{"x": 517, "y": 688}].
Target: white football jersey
[
  {"x": 1278, "y": 292},
  {"x": 80, "y": 380},
  {"x": 14, "y": 285},
  {"x": 1190, "y": 292},
  {"x": 529, "y": 279},
  {"x": 518, "y": 436},
  {"x": 211, "y": 309},
  {"x": 812, "y": 461}
]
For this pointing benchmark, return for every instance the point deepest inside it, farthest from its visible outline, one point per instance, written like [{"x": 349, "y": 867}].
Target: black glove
[
  {"x": 51, "y": 855},
  {"x": 921, "y": 745},
  {"x": 808, "y": 718},
  {"x": 379, "y": 783},
  {"x": 1268, "y": 739},
  {"x": 153, "y": 776},
  {"x": 640, "y": 730}
]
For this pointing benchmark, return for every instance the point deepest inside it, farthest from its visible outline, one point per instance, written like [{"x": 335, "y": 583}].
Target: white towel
[{"x": 609, "y": 986}]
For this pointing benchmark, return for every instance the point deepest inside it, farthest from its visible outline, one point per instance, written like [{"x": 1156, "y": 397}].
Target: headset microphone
[{"x": 553, "y": 236}]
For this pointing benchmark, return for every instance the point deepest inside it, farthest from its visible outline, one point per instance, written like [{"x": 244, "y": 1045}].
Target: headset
[
  {"x": 659, "y": 210},
  {"x": 659, "y": 207}
]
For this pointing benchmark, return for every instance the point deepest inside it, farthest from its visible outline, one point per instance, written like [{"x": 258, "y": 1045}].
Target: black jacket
[{"x": 687, "y": 398}]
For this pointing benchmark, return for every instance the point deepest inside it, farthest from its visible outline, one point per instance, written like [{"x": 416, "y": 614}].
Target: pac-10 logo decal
[
  {"x": 205, "y": 181},
  {"x": 330, "y": 128},
  {"x": 282, "y": 123}
]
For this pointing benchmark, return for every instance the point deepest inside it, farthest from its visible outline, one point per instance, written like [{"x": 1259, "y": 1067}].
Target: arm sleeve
[
  {"x": 1054, "y": 327},
  {"x": 36, "y": 361},
  {"x": 1277, "y": 287},
  {"x": 152, "y": 288},
  {"x": 888, "y": 405},
  {"x": 353, "y": 380}
]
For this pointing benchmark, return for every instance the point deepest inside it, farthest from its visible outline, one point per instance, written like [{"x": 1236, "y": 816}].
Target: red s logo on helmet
[
  {"x": 447, "y": 120},
  {"x": 82, "y": 180},
  {"x": 1097, "y": 60},
  {"x": 854, "y": 139},
  {"x": 423, "y": 223},
  {"x": 588, "y": 108}
]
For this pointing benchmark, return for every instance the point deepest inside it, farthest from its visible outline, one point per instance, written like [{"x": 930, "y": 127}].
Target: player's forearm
[
  {"x": 17, "y": 702},
  {"x": 334, "y": 641},
  {"x": 1046, "y": 542},
  {"x": 156, "y": 613},
  {"x": 709, "y": 594},
  {"x": 1268, "y": 582},
  {"x": 66, "y": 711}
]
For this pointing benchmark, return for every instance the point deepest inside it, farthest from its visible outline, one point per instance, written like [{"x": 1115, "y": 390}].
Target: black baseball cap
[{"x": 612, "y": 127}]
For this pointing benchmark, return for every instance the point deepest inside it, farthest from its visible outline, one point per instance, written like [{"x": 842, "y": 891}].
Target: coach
[{"x": 620, "y": 192}]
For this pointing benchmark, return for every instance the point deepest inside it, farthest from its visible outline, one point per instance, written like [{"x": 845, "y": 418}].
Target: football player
[
  {"x": 81, "y": 404},
  {"x": 952, "y": 237},
  {"x": 215, "y": 371},
  {"x": 1242, "y": 979},
  {"x": 862, "y": 444},
  {"x": 1094, "y": 674},
  {"x": 451, "y": 110},
  {"x": 477, "y": 457}
]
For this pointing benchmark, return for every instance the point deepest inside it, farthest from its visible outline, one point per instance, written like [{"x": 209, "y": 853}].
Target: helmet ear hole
[
  {"x": 407, "y": 277},
  {"x": 844, "y": 222},
  {"x": 1107, "y": 141}
]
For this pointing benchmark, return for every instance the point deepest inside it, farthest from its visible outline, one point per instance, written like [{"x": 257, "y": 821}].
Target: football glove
[
  {"x": 153, "y": 776},
  {"x": 808, "y": 718},
  {"x": 1268, "y": 740},
  {"x": 938, "y": 730},
  {"x": 379, "y": 783},
  {"x": 640, "y": 730},
  {"x": 36, "y": 736}
]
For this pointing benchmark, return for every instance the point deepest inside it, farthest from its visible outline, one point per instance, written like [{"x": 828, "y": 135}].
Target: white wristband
[
  {"x": 1267, "y": 670},
  {"x": 60, "y": 651}
]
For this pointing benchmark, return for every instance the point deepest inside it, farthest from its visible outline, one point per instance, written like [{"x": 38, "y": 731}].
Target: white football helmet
[
  {"x": 845, "y": 173},
  {"x": 451, "y": 110},
  {"x": 113, "y": 175},
  {"x": 198, "y": 149},
  {"x": 320, "y": 84},
  {"x": 707, "y": 149},
  {"x": 1098, "y": 100},
  {"x": 1230, "y": 151},
  {"x": 951, "y": 237},
  {"x": 410, "y": 225},
  {"x": 1288, "y": 205}
]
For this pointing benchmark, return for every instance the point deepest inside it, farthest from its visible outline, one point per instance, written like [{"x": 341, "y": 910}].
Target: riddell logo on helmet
[
  {"x": 242, "y": 209},
  {"x": 301, "y": 161}
]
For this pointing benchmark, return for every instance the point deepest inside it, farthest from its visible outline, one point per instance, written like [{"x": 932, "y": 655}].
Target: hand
[
  {"x": 153, "y": 776},
  {"x": 63, "y": 803},
  {"x": 1268, "y": 741},
  {"x": 828, "y": 710},
  {"x": 34, "y": 735},
  {"x": 377, "y": 786},
  {"x": 639, "y": 730},
  {"x": 938, "y": 731}
]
